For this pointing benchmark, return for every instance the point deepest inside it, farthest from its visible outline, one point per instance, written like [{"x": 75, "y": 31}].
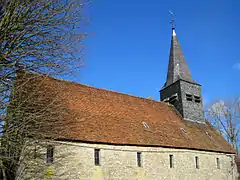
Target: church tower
[{"x": 180, "y": 89}]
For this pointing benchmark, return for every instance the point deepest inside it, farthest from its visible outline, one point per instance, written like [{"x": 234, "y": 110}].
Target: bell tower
[{"x": 180, "y": 89}]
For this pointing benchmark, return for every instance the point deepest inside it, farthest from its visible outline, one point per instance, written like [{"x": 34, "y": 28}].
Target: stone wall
[
  {"x": 75, "y": 161},
  {"x": 171, "y": 90},
  {"x": 192, "y": 110}
]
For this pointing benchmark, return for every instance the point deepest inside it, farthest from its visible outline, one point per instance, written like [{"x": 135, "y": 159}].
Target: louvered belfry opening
[{"x": 180, "y": 85}]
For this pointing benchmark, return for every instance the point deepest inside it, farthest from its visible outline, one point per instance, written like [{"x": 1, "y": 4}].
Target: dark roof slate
[{"x": 177, "y": 67}]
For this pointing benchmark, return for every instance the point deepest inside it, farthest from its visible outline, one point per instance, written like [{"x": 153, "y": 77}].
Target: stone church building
[{"x": 118, "y": 136}]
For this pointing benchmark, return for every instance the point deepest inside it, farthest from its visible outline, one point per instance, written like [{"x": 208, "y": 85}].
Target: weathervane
[{"x": 172, "y": 21}]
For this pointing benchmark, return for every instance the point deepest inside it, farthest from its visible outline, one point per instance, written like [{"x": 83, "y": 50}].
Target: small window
[
  {"x": 139, "y": 159},
  {"x": 171, "y": 160},
  {"x": 145, "y": 125},
  {"x": 218, "y": 163},
  {"x": 166, "y": 100},
  {"x": 173, "y": 98},
  {"x": 35, "y": 152},
  {"x": 189, "y": 97},
  {"x": 197, "y": 99},
  {"x": 97, "y": 157},
  {"x": 183, "y": 130},
  {"x": 50, "y": 150},
  {"x": 207, "y": 133},
  {"x": 197, "y": 162}
]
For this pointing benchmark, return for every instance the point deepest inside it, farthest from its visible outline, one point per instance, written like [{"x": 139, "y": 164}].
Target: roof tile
[{"x": 103, "y": 116}]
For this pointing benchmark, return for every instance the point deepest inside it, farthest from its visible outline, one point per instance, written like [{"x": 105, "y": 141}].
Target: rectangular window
[
  {"x": 50, "y": 150},
  {"x": 35, "y": 152},
  {"x": 197, "y": 162},
  {"x": 197, "y": 99},
  {"x": 189, "y": 97},
  {"x": 139, "y": 159},
  {"x": 173, "y": 98},
  {"x": 218, "y": 163},
  {"x": 171, "y": 160},
  {"x": 97, "y": 157}
]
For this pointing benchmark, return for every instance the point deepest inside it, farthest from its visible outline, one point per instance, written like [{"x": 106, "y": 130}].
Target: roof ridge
[
  {"x": 86, "y": 85},
  {"x": 101, "y": 115}
]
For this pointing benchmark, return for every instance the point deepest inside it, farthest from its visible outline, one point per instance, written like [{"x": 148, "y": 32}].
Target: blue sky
[{"x": 129, "y": 41}]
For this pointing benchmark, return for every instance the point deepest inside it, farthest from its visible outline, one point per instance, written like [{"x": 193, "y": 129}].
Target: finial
[{"x": 172, "y": 21}]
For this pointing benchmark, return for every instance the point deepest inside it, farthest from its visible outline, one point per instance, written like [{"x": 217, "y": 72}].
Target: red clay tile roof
[{"x": 104, "y": 116}]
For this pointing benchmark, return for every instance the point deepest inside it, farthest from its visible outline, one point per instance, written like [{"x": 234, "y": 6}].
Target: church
[{"x": 119, "y": 136}]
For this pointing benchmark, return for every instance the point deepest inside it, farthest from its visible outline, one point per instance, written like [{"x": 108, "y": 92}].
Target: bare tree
[
  {"x": 38, "y": 37},
  {"x": 225, "y": 115}
]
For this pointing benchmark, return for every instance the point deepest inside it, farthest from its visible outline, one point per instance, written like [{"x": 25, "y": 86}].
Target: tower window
[
  {"x": 139, "y": 159},
  {"x": 50, "y": 150},
  {"x": 197, "y": 99},
  {"x": 197, "y": 162},
  {"x": 97, "y": 157},
  {"x": 173, "y": 98},
  {"x": 189, "y": 97},
  {"x": 166, "y": 100},
  {"x": 218, "y": 163},
  {"x": 171, "y": 160}
]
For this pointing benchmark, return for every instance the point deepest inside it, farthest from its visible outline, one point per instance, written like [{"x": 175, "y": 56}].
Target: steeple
[
  {"x": 180, "y": 89},
  {"x": 177, "y": 67}
]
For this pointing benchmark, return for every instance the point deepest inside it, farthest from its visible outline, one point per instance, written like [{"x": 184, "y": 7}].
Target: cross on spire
[
  {"x": 172, "y": 21},
  {"x": 180, "y": 85},
  {"x": 177, "y": 68}
]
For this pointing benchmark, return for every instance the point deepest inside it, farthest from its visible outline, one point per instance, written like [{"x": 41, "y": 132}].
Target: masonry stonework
[
  {"x": 179, "y": 81},
  {"x": 99, "y": 115},
  {"x": 167, "y": 92},
  {"x": 120, "y": 163},
  {"x": 192, "y": 110}
]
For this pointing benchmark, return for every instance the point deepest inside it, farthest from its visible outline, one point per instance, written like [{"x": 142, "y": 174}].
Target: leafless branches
[
  {"x": 38, "y": 37},
  {"x": 225, "y": 115}
]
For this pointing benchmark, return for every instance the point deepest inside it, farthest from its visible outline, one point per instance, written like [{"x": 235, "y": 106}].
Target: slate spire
[
  {"x": 177, "y": 67},
  {"x": 180, "y": 89}
]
